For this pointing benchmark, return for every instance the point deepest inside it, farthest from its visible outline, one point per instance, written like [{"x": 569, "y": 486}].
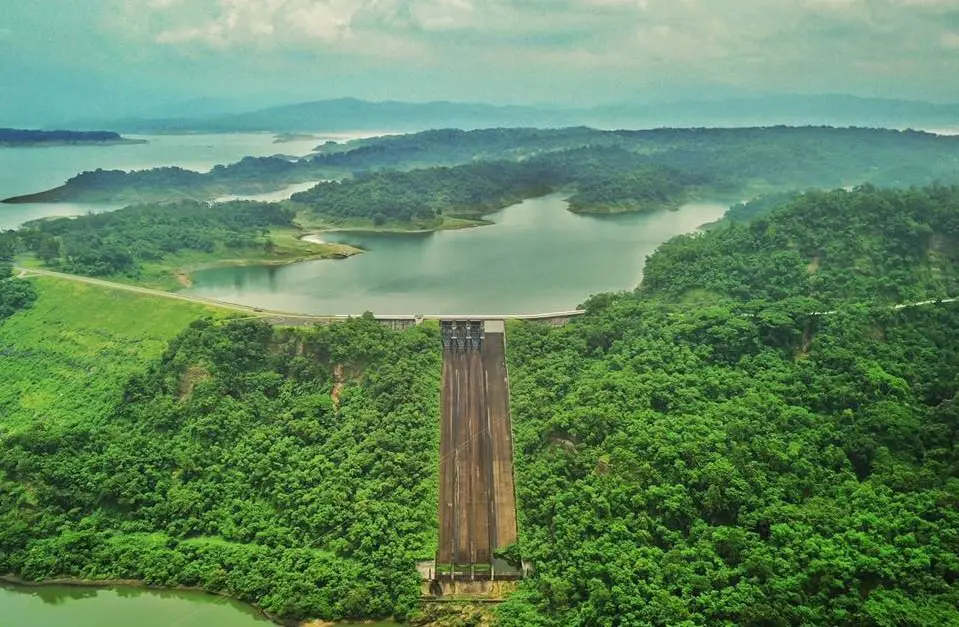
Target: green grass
[{"x": 69, "y": 356}]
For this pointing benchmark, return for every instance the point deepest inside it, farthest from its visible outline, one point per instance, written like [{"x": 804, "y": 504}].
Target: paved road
[
  {"x": 281, "y": 317},
  {"x": 295, "y": 319}
]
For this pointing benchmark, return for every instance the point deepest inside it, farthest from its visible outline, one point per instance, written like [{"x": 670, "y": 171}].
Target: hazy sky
[{"x": 88, "y": 57}]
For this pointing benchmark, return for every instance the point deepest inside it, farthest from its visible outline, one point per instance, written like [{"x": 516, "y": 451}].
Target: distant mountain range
[{"x": 349, "y": 114}]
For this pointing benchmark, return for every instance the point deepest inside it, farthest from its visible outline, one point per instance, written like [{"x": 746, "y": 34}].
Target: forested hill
[
  {"x": 229, "y": 465},
  {"x": 864, "y": 245},
  {"x": 13, "y": 137},
  {"x": 680, "y": 463},
  {"x": 611, "y": 170},
  {"x": 121, "y": 242},
  {"x": 677, "y": 462}
]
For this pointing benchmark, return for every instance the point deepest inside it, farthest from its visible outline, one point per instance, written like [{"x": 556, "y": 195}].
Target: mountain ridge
[{"x": 354, "y": 114}]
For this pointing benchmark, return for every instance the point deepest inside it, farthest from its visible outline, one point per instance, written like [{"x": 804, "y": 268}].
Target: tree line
[
  {"x": 642, "y": 170},
  {"x": 121, "y": 242}
]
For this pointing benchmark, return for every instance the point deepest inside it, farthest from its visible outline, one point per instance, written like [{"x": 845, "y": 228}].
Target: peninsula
[{"x": 21, "y": 138}]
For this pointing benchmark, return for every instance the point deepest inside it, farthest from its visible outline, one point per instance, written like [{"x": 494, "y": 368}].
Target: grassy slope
[{"x": 68, "y": 357}]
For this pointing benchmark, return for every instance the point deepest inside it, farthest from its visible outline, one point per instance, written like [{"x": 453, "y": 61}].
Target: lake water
[
  {"x": 537, "y": 257},
  {"x": 30, "y": 170},
  {"x": 46, "y": 606}
]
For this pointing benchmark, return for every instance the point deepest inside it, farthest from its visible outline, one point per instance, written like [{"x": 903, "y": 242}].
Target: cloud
[
  {"x": 950, "y": 40},
  {"x": 519, "y": 50}
]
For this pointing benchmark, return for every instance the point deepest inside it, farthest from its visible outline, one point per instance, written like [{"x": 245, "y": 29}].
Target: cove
[
  {"x": 122, "y": 606},
  {"x": 535, "y": 257}
]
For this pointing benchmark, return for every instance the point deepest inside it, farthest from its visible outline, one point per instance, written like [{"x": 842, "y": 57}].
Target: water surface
[
  {"x": 537, "y": 257},
  {"x": 48, "y": 606},
  {"x": 35, "y": 169}
]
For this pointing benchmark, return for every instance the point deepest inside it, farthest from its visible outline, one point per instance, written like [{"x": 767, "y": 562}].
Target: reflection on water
[
  {"x": 126, "y": 606},
  {"x": 58, "y": 595},
  {"x": 274, "y": 196},
  {"x": 31, "y": 170},
  {"x": 42, "y": 606},
  {"x": 537, "y": 257}
]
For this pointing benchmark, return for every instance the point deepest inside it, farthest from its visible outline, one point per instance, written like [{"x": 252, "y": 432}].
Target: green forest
[
  {"x": 752, "y": 438},
  {"x": 121, "y": 242},
  {"x": 756, "y": 436},
  {"x": 865, "y": 245},
  {"x": 425, "y": 195},
  {"x": 229, "y": 464},
  {"x": 417, "y": 179},
  {"x": 24, "y": 137}
]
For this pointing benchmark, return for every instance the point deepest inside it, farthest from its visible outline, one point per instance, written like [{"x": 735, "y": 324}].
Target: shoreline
[
  {"x": 61, "y": 144},
  {"x": 182, "y": 274},
  {"x": 459, "y": 224},
  {"x": 11, "y": 580}
]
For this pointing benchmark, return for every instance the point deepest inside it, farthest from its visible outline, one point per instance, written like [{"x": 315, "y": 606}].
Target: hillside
[
  {"x": 746, "y": 460},
  {"x": 290, "y": 469},
  {"x": 68, "y": 354},
  {"x": 159, "y": 244},
  {"x": 866, "y": 245},
  {"x": 752, "y": 438},
  {"x": 605, "y": 172}
]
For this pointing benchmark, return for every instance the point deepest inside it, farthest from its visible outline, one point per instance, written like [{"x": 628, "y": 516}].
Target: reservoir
[
  {"x": 536, "y": 257},
  {"x": 43, "y": 606},
  {"x": 28, "y": 170}
]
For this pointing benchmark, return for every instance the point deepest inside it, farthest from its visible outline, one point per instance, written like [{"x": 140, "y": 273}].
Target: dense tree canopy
[
  {"x": 291, "y": 469},
  {"x": 863, "y": 245},
  {"x": 706, "y": 468},
  {"x": 425, "y": 194},
  {"x": 25, "y": 137},
  {"x": 119, "y": 242},
  {"x": 725, "y": 448},
  {"x": 611, "y": 170}
]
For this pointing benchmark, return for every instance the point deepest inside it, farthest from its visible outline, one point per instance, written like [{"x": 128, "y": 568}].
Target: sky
[{"x": 70, "y": 59}]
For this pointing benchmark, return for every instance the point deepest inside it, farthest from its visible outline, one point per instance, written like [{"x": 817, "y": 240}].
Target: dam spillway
[{"x": 477, "y": 503}]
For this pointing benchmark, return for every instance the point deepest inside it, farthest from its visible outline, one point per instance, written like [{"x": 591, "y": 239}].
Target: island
[
  {"x": 285, "y": 138},
  {"x": 435, "y": 179},
  {"x": 17, "y": 138}
]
